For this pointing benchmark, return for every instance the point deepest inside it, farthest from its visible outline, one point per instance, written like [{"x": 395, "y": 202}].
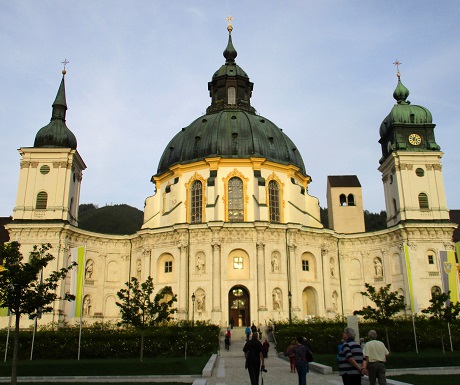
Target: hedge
[{"x": 104, "y": 340}]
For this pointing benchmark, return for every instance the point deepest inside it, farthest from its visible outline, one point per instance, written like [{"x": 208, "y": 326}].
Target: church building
[{"x": 230, "y": 224}]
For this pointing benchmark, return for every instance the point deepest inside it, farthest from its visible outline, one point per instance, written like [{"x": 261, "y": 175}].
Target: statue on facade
[
  {"x": 378, "y": 267},
  {"x": 275, "y": 263},
  {"x": 89, "y": 269},
  {"x": 200, "y": 264},
  {"x": 277, "y": 301}
]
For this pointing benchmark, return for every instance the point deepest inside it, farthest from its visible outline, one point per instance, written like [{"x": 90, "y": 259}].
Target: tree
[
  {"x": 442, "y": 312},
  {"x": 23, "y": 289},
  {"x": 388, "y": 304},
  {"x": 138, "y": 309}
]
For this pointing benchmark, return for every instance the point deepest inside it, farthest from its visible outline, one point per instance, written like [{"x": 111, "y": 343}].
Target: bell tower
[
  {"x": 51, "y": 171},
  {"x": 411, "y": 163}
]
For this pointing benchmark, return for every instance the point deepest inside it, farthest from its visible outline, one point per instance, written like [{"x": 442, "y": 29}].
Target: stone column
[
  {"x": 216, "y": 282},
  {"x": 183, "y": 284},
  {"x": 293, "y": 279},
  {"x": 261, "y": 287}
]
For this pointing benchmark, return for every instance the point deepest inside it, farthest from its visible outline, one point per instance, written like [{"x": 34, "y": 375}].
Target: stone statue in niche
[
  {"x": 332, "y": 267},
  {"x": 138, "y": 269},
  {"x": 275, "y": 263},
  {"x": 89, "y": 269},
  {"x": 200, "y": 301},
  {"x": 200, "y": 264},
  {"x": 87, "y": 305},
  {"x": 334, "y": 301},
  {"x": 277, "y": 301},
  {"x": 378, "y": 267}
]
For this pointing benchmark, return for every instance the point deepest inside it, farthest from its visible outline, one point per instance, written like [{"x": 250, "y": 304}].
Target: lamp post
[
  {"x": 290, "y": 306},
  {"x": 193, "y": 309}
]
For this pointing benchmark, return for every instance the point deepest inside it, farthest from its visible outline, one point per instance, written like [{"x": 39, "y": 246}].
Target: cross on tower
[{"x": 397, "y": 63}]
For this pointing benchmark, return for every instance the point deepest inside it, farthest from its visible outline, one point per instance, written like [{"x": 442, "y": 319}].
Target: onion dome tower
[
  {"x": 220, "y": 167},
  {"x": 56, "y": 134},
  {"x": 411, "y": 163},
  {"x": 230, "y": 128},
  {"x": 51, "y": 171}
]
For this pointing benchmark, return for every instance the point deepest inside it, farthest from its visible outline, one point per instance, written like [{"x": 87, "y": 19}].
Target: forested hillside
[{"x": 117, "y": 219}]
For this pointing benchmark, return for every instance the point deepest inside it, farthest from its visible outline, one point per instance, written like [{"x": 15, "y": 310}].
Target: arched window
[
  {"x": 351, "y": 200},
  {"x": 343, "y": 200},
  {"x": 423, "y": 201},
  {"x": 42, "y": 200},
  {"x": 231, "y": 95},
  {"x": 235, "y": 200},
  {"x": 435, "y": 290},
  {"x": 274, "y": 201},
  {"x": 196, "y": 202}
]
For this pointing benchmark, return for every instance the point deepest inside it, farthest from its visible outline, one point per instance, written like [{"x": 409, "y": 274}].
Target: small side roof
[{"x": 343, "y": 181}]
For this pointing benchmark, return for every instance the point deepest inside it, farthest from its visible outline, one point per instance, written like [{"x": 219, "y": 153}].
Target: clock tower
[
  {"x": 51, "y": 171},
  {"x": 411, "y": 164}
]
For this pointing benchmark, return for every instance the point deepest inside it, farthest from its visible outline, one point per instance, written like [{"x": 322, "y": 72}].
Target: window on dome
[
  {"x": 423, "y": 201},
  {"x": 231, "y": 95},
  {"x": 235, "y": 200},
  {"x": 274, "y": 201},
  {"x": 196, "y": 202},
  {"x": 42, "y": 200}
]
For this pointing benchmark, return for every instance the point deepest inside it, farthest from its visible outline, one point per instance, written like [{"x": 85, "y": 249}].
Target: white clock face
[{"x": 415, "y": 139}]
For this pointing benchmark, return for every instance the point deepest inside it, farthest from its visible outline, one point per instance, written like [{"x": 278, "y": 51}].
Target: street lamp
[
  {"x": 290, "y": 306},
  {"x": 193, "y": 309}
]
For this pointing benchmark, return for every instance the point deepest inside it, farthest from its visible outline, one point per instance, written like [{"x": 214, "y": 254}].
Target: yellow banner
[
  {"x": 452, "y": 276},
  {"x": 413, "y": 301},
  {"x": 76, "y": 280}
]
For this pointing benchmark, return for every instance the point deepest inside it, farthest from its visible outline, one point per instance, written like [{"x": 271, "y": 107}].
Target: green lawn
[
  {"x": 100, "y": 367},
  {"x": 428, "y": 380},
  {"x": 102, "y": 383}
]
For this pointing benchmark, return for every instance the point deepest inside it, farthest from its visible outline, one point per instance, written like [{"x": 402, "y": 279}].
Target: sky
[{"x": 138, "y": 73}]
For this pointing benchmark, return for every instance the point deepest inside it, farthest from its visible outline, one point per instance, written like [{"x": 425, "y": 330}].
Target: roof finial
[
  {"x": 230, "y": 26},
  {"x": 65, "y": 62},
  {"x": 397, "y": 63}
]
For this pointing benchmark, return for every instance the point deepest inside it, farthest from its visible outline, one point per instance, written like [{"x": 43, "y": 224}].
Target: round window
[
  {"x": 45, "y": 169},
  {"x": 420, "y": 172}
]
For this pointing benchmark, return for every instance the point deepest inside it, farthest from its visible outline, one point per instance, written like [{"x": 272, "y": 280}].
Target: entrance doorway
[{"x": 238, "y": 306}]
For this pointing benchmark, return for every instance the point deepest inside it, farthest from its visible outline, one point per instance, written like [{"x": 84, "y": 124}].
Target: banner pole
[
  {"x": 8, "y": 334},
  {"x": 82, "y": 300}
]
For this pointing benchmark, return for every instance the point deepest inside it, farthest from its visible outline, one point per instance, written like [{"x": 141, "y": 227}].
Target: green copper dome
[
  {"x": 230, "y": 128},
  {"x": 56, "y": 134},
  {"x": 404, "y": 112}
]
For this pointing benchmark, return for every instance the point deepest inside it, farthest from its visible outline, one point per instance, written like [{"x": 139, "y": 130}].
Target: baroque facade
[{"x": 231, "y": 221}]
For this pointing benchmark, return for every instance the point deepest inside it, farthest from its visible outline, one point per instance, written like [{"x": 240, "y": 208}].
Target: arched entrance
[{"x": 238, "y": 306}]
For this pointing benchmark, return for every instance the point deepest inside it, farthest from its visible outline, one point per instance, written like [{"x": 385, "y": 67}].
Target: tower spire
[{"x": 230, "y": 52}]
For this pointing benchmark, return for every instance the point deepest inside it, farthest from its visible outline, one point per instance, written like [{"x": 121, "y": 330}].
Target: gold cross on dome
[
  {"x": 397, "y": 63},
  {"x": 230, "y": 27}
]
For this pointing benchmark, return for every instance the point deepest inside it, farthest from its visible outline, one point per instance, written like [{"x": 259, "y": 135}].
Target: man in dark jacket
[{"x": 253, "y": 353}]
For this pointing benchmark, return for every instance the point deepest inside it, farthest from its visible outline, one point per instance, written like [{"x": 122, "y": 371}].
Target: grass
[
  {"x": 426, "y": 358},
  {"x": 101, "y": 367},
  {"x": 103, "y": 383},
  {"x": 428, "y": 380}
]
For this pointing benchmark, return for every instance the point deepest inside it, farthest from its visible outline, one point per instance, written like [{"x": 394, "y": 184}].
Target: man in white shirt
[{"x": 376, "y": 355}]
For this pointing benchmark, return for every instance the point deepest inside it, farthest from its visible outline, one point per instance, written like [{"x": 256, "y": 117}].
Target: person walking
[
  {"x": 376, "y": 354},
  {"x": 350, "y": 359},
  {"x": 248, "y": 332},
  {"x": 253, "y": 353},
  {"x": 302, "y": 357},
  {"x": 291, "y": 355},
  {"x": 266, "y": 346}
]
